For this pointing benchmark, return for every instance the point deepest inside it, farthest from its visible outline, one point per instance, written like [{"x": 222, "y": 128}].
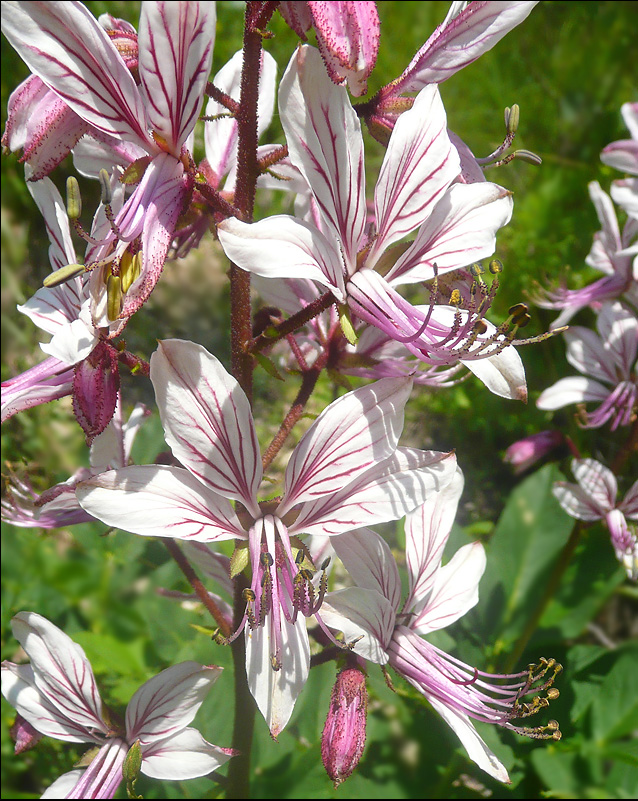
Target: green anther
[
  {"x": 73, "y": 198},
  {"x": 512, "y": 117},
  {"x": 346, "y": 325},
  {"x": 113, "y": 297},
  {"x": 105, "y": 187},
  {"x": 528, "y": 156},
  {"x": 63, "y": 275},
  {"x": 130, "y": 269},
  {"x": 496, "y": 266}
]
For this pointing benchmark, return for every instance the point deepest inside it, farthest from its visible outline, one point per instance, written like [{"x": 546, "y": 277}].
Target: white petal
[
  {"x": 455, "y": 590},
  {"x": 175, "y": 46},
  {"x": 168, "y": 702},
  {"x": 419, "y": 165},
  {"x": 476, "y": 749},
  {"x": 157, "y": 501},
  {"x": 324, "y": 141},
  {"x": 576, "y": 502},
  {"x": 366, "y": 619},
  {"x": 283, "y": 247},
  {"x": 207, "y": 420},
  {"x": 275, "y": 691},
  {"x": 427, "y": 529},
  {"x": 597, "y": 481},
  {"x": 62, "y": 787},
  {"x": 187, "y": 755},
  {"x": 571, "y": 390},
  {"x": 355, "y": 432},
  {"x": 385, "y": 492},
  {"x": 503, "y": 374},
  {"x": 61, "y": 671}
]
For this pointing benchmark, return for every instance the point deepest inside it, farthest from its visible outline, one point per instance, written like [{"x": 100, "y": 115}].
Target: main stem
[{"x": 257, "y": 16}]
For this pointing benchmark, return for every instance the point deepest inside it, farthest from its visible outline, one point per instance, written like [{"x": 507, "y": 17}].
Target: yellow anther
[
  {"x": 496, "y": 266},
  {"x": 455, "y": 298},
  {"x": 113, "y": 297},
  {"x": 248, "y": 595},
  {"x": 130, "y": 269}
]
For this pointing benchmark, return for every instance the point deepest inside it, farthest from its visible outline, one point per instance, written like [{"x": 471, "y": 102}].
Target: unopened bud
[
  {"x": 73, "y": 198},
  {"x": 344, "y": 734},
  {"x": 132, "y": 763},
  {"x": 24, "y": 735}
]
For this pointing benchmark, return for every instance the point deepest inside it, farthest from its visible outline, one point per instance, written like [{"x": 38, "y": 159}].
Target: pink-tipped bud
[
  {"x": 344, "y": 734},
  {"x": 96, "y": 383},
  {"x": 528, "y": 451},
  {"x": 24, "y": 735},
  {"x": 347, "y": 36}
]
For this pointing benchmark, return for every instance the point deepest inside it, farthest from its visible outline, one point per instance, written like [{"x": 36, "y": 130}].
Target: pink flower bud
[
  {"x": 344, "y": 734},
  {"x": 528, "y": 451},
  {"x": 24, "y": 735},
  {"x": 347, "y": 36},
  {"x": 96, "y": 383}
]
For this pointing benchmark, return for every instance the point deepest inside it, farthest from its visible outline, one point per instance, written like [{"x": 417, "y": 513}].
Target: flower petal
[
  {"x": 368, "y": 559},
  {"x": 64, "y": 44},
  {"x": 159, "y": 501},
  {"x": 386, "y": 492},
  {"x": 175, "y": 53},
  {"x": 575, "y": 389},
  {"x": 357, "y": 611},
  {"x": 454, "y": 591},
  {"x": 283, "y": 247},
  {"x": 168, "y": 702},
  {"x": 356, "y": 431},
  {"x": 207, "y": 420},
  {"x": 61, "y": 671},
  {"x": 419, "y": 165},
  {"x": 275, "y": 691},
  {"x": 427, "y": 529},
  {"x": 460, "y": 230},
  {"x": 186, "y": 755},
  {"x": 325, "y": 142},
  {"x": 503, "y": 373}
]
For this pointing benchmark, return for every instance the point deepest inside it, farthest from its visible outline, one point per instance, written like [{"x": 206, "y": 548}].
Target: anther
[
  {"x": 73, "y": 198},
  {"x": 105, "y": 187},
  {"x": 130, "y": 269},
  {"x": 266, "y": 559},
  {"x": 248, "y": 595},
  {"x": 113, "y": 297},
  {"x": 325, "y": 563},
  {"x": 455, "y": 298},
  {"x": 512, "y": 118},
  {"x": 496, "y": 266},
  {"x": 63, "y": 275}
]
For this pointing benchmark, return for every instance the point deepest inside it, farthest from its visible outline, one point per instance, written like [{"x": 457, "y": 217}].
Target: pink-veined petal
[
  {"x": 283, "y": 247},
  {"x": 576, "y": 502},
  {"x": 459, "y": 42},
  {"x": 385, "y": 492},
  {"x": 427, "y": 529},
  {"x": 597, "y": 481},
  {"x": 186, "y": 755},
  {"x": 454, "y": 591},
  {"x": 61, "y": 671},
  {"x": 18, "y": 687},
  {"x": 369, "y": 560},
  {"x": 629, "y": 503},
  {"x": 587, "y": 353},
  {"x": 366, "y": 619},
  {"x": 207, "y": 420},
  {"x": 157, "y": 501},
  {"x": 575, "y": 389},
  {"x": 167, "y": 703},
  {"x": 175, "y": 53},
  {"x": 460, "y": 230},
  {"x": 325, "y": 142},
  {"x": 476, "y": 749},
  {"x": 65, "y": 46},
  {"x": 356, "y": 431},
  {"x": 419, "y": 165},
  {"x": 275, "y": 691}
]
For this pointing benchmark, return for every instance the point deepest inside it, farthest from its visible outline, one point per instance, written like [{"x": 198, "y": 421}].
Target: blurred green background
[{"x": 569, "y": 66}]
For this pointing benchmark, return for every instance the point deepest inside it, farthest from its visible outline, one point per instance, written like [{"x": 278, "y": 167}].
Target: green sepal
[
  {"x": 346, "y": 325},
  {"x": 268, "y": 366},
  {"x": 239, "y": 560}
]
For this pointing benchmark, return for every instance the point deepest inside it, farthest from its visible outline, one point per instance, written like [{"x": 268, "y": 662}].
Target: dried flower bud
[{"x": 344, "y": 734}]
